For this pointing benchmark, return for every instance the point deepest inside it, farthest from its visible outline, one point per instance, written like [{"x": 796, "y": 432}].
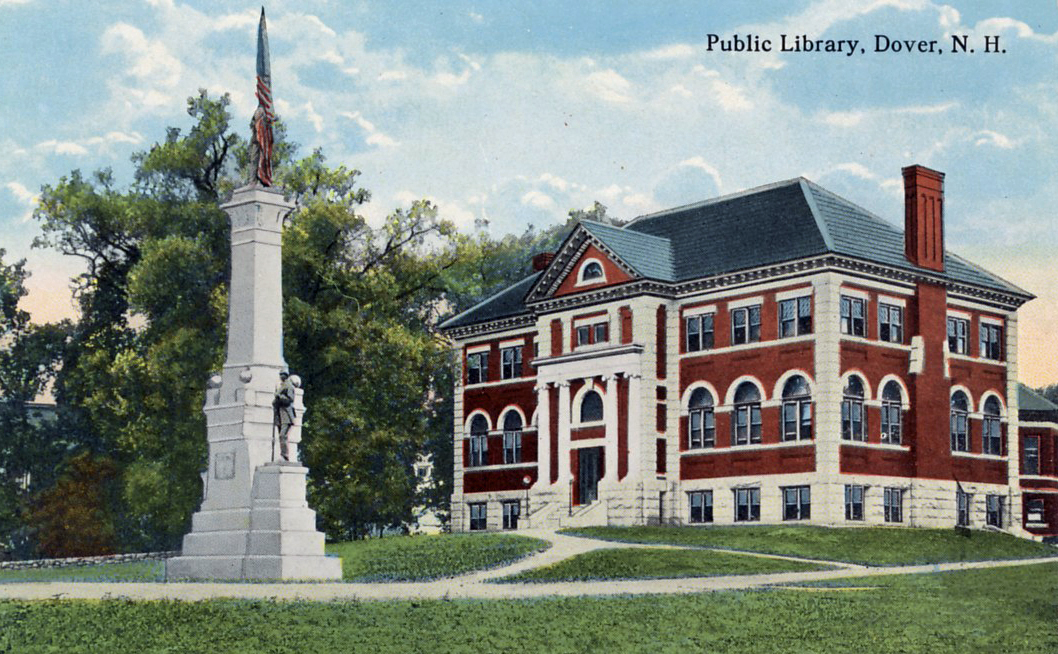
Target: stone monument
[{"x": 254, "y": 522}]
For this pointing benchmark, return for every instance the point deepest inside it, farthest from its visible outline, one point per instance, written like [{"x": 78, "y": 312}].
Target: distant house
[{"x": 776, "y": 355}]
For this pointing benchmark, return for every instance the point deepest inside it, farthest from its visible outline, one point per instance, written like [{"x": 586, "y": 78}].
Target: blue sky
[{"x": 517, "y": 112}]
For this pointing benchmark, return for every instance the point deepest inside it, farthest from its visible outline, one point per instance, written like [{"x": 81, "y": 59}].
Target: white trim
[
  {"x": 729, "y": 397},
  {"x": 805, "y": 442},
  {"x": 867, "y": 392},
  {"x": 863, "y": 340},
  {"x": 953, "y": 313},
  {"x": 513, "y": 342},
  {"x": 969, "y": 396},
  {"x": 1036, "y": 424},
  {"x": 475, "y": 349},
  {"x": 574, "y": 417},
  {"x": 699, "y": 311},
  {"x": 592, "y": 320},
  {"x": 989, "y": 320},
  {"x": 888, "y": 286},
  {"x": 793, "y": 294},
  {"x": 686, "y": 399},
  {"x": 984, "y": 397},
  {"x": 893, "y": 301},
  {"x": 503, "y": 415},
  {"x": 978, "y": 455},
  {"x": 779, "y": 383},
  {"x": 470, "y": 417},
  {"x": 745, "y": 302},
  {"x": 501, "y": 382},
  {"x": 579, "y": 443},
  {"x": 500, "y": 466},
  {"x": 594, "y": 280},
  {"x": 777, "y": 342},
  {"x": 905, "y": 395},
  {"x": 855, "y": 293},
  {"x": 966, "y": 357},
  {"x": 877, "y": 446}
]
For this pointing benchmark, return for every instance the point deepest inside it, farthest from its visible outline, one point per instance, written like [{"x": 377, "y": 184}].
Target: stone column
[
  {"x": 564, "y": 473},
  {"x": 828, "y": 493},
  {"x": 543, "y": 436},
  {"x": 610, "y": 416},
  {"x": 635, "y": 428}
]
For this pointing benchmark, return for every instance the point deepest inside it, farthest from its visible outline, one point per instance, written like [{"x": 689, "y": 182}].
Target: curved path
[{"x": 476, "y": 585}]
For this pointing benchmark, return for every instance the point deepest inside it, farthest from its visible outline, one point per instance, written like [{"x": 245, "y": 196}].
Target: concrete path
[{"x": 476, "y": 586}]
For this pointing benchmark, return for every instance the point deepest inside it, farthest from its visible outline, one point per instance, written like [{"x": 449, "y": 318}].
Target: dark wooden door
[{"x": 588, "y": 473}]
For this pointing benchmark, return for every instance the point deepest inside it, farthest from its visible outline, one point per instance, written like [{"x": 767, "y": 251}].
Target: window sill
[
  {"x": 500, "y": 466},
  {"x": 972, "y": 359},
  {"x": 863, "y": 340},
  {"x": 753, "y": 447},
  {"x": 501, "y": 382},
  {"x": 750, "y": 346},
  {"x": 878, "y": 446},
  {"x": 978, "y": 455}
]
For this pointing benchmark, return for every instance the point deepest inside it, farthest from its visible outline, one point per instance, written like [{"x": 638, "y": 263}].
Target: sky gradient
[{"x": 516, "y": 113}]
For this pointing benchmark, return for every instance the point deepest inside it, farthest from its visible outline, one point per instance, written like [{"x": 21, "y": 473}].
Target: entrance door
[{"x": 589, "y": 470}]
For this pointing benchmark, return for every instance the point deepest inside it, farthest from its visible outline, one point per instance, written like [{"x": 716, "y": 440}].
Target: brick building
[{"x": 778, "y": 354}]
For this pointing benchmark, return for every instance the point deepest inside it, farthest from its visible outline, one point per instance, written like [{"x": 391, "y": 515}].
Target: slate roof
[
  {"x": 1032, "y": 405},
  {"x": 507, "y": 303},
  {"x": 784, "y": 221}
]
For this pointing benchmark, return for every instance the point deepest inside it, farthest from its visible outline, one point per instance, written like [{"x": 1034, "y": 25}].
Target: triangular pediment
[{"x": 584, "y": 262}]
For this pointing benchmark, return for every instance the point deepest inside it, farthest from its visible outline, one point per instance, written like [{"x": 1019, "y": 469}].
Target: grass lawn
[
  {"x": 638, "y": 563},
  {"x": 134, "y": 571},
  {"x": 397, "y": 558},
  {"x": 417, "y": 558},
  {"x": 868, "y": 545},
  {"x": 1000, "y": 610}
]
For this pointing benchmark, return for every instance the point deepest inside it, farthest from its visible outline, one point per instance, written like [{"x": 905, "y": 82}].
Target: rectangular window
[
  {"x": 511, "y": 360},
  {"x": 746, "y": 424},
  {"x": 991, "y": 436},
  {"x": 852, "y": 422},
  {"x": 959, "y": 441},
  {"x": 1031, "y": 460},
  {"x": 890, "y": 323},
  {"x": 700, "y": 332},
  {"x": 478, "y": 517},
  {"x": 796, "y": 503},
  {"x": 512, "y": 446},
  {"x": 702, "y": 428},
  {"x": 891, "y": 419},
  {"x": 853, "y": 316},
  {"x": 994, "y": 510},
  {"x": 745, "y": 325},
  {"x": 962, "y": 508},
  {"x": 477, "y": 367},
  {"x": 594, "y": 333},
  {"x": 991, "y": 337},
  {"x": 479, "y": 444},
  {"x": 747, "y": 505},
  {"x": 795, "y": 317},
  {"x": 893, "y": 502},
  {"x": 957, "y": 330},
  {"x": 853, "y": 502},
  {"x": 600, "y": 332},
  {"x": 511, "y": 511},
  {"x": 701, "y": 506},
  {"x": 584, "y": 335},
  {"x": 1034, "y": 510}
]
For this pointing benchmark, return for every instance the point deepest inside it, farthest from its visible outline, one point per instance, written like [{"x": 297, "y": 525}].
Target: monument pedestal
[{"x": 274, "y": 538}]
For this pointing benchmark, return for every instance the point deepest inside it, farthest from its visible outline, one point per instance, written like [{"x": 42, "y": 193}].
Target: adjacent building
[{"x": 775, "y": 355}]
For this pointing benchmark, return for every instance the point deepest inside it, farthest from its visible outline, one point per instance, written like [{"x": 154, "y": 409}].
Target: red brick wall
[
  {"x": 737, "y": 461},
  {"x": 614, "y": 274}
]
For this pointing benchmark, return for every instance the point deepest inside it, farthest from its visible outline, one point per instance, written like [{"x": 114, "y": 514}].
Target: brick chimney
[
  {"x": 924, "y": 217},
  {"x": 542, "y": 260}
]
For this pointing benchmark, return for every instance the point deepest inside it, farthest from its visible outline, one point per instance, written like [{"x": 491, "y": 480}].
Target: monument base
[{"x": 275, "y": 538}]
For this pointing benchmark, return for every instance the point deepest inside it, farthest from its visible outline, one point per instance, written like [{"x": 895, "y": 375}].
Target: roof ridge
[
  {"x": 824, "y": 230},
  {"x": 490, "y": 298},
  {"x": 721, "y": 198},
  {"x": 866, "y": 211}
]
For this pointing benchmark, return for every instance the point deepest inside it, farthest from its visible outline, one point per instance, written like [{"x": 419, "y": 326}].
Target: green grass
[
  {"x": 869, "y": 545},
  {"x": 418, "y": 558},
  {"x": 1004, "y": 610},
  {"x": 639, "y": 563},
  {"x": 133, "y": 571},
  {"x": 397, "y": 558}
]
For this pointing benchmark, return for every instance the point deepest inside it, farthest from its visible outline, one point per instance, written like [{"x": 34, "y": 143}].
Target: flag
[{"x": 261, "y": 139}]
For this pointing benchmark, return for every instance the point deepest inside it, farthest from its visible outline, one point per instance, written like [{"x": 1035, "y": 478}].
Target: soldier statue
[{"x": 283, "y": 412}]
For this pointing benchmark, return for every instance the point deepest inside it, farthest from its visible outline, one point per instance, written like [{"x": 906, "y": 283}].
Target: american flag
[{"x": 266, "y": 115}]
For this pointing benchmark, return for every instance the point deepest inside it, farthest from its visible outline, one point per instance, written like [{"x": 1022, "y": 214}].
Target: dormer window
[{"x": 591, "y": 272}]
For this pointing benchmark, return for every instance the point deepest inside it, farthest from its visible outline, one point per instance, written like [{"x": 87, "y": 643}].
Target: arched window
[
  {"x": 796, "y": 409},
  {"x": 852, "y": 427},
  {"x": 591, "y": 270},
  {"x": 892, "y": 400},
  {"x": 960, "y": 408},
  {"x": 591, "y": 407},
  {"x": 479, "y": 441},
  {"x": 512, "y": 438},
  {"x": 701, "y": 424},
  {"x": 745, "y": 425},
  {"x": 992, "y": 441}
]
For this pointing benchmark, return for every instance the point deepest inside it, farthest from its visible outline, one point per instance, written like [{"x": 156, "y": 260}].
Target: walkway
[{"x": 476, "y": 585}]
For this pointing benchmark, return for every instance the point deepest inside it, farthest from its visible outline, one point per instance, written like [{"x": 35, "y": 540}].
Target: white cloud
[
  {"x": 988, "y": 137},
  {"x": 374, "y": 136},
  {"x": 392, "y": 75},
  {"x": 148, "y": 60},
  {"x": 610, "y": 86},
  {"x": 61, "y": 147},
  {"x": 476, "y": 17},
  {"x": 674, "y": 51},
  {"x": 538, "y": 200},
  {"x": 12, "y": 3},
  {"x": 25, "y": 197}
]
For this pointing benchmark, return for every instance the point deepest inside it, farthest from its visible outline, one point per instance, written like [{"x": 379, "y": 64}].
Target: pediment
[{"x": 571, "y": 271}]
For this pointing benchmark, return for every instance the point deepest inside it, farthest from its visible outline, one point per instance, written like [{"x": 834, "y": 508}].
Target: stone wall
[{"x": 86, "y": 560}]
